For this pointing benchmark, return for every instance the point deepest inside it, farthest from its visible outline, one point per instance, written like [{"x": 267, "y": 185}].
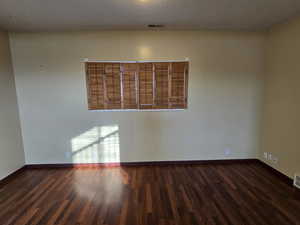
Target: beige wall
[
  {"x": 225, "y": 93},
  {"x": 11, "y": 149},
  {"x": 281, "y": 126}
]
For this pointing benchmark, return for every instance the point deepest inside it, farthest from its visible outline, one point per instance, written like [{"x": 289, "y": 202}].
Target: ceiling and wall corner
[
  {"x": 62, "y": 15},
  {"x": 11, "y": 147},
  {"x": 281, "y": 121}
]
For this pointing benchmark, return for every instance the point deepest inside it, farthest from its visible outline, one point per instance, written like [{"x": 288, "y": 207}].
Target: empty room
[{"x": 150, "y": 112}]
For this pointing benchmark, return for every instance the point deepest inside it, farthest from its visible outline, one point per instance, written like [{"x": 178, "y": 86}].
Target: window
[{"x": 137, "y": 85}]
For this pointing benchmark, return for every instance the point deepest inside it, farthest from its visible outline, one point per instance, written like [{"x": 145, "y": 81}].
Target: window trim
[
  {"x": 137, "y": 110},
  {"x": 86, "y": 61},
  {"x": 133, "y": 61}
]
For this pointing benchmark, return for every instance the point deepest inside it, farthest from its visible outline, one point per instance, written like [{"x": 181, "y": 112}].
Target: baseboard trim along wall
[
  {"x": 141, "y": 163},
  {"x": 275, "y": 172},
  {"x": 11, "y": 176}
]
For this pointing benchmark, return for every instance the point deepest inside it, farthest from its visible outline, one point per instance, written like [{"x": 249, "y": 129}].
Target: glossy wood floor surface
[{"x": 238, "y": 194}]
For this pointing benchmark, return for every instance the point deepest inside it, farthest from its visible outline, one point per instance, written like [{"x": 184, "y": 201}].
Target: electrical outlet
[
  {"x": 275, "y": 160},
  {"x": 297, "y": 181},
  {"x": 270, "y": 157},
  {"x": 265, "y": 155}
]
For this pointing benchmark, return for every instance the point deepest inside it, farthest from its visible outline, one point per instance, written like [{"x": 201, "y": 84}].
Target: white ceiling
[{"x": 55, "y": 15}]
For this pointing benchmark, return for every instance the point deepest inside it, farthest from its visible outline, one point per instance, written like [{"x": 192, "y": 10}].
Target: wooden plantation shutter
[
  {"x": 178, "y": 85},
  {"x": 161, "y": 71},
  {"x": 112, "y": 86},
  {"x": 146, "y": 93},
  {"x": 129, "y": 86},
  {"x": 157, "y": 85},
  {"x": 95, "y": 85}
]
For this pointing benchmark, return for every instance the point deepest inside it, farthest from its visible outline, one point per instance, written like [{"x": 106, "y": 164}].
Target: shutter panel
[
  {"x": 129, "y": 85},
  {"x": 146, "y": 94},
  {"x": 161, "y": 71},
  {"x": 112, "y": 85},
  {"x": 95, "y": 85},
  {"x": 178, "y": 90}
]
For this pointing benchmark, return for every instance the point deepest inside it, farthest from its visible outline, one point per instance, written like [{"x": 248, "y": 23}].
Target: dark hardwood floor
[{"x": 239, "y": 193}]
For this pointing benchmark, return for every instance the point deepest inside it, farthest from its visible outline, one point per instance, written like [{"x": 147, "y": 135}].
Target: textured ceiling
[{"x": 56, "y": 15}]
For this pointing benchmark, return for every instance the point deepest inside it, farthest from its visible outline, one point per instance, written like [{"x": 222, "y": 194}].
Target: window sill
[{"x": 136, "y": 110}]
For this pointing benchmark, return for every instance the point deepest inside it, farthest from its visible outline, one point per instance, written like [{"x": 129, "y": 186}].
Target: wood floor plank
[{"x": 225, "y": 194}]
